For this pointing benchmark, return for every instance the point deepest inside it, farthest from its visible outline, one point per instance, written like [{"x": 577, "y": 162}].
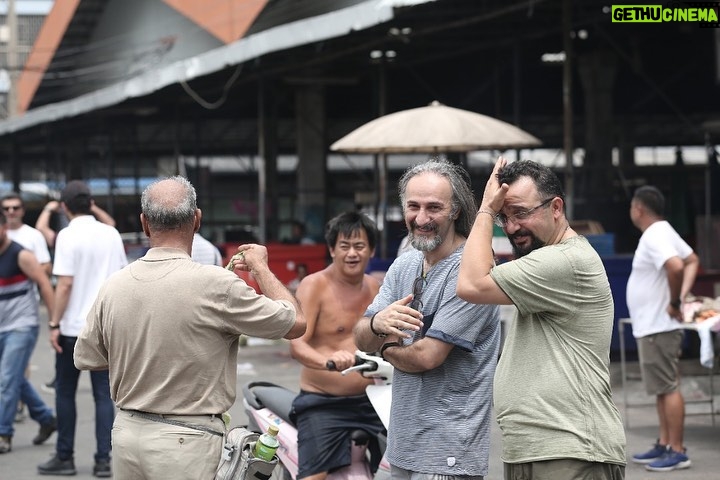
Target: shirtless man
[{"x": 330, "y": 405}]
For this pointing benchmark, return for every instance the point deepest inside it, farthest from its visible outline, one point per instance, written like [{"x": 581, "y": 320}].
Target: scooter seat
[{"x": 275, "y": 398}]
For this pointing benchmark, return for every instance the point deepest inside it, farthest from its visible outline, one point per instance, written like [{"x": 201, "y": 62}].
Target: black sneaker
[
  {"x": 45, "y": 432},
  {"x": 55, "y": 466},
  {"x": 102, "y": 469}
]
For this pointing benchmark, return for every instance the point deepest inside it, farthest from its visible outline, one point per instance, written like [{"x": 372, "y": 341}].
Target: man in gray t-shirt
[
  {"x": 444, "y": 349},
  {"x": 552, "y": 388}
]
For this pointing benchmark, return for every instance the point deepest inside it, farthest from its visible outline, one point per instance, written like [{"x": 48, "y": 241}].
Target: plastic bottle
[
  {"x": 267, "y": 444},
  {"x": 226, "y": 418}
]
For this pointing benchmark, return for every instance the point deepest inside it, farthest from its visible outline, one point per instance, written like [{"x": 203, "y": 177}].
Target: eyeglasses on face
[
  {"x": 11, "y": 208},
  {"x": 501, "y": 220},
  {"x": 418, "y": 286}
]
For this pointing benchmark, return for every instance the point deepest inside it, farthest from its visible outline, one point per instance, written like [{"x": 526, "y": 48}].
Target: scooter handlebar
[
  {"x": 367, "y": 365},
  {"x": 330, "y": 365}
]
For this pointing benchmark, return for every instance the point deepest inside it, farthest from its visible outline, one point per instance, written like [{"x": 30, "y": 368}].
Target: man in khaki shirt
[{"x": 167, "y": 328}]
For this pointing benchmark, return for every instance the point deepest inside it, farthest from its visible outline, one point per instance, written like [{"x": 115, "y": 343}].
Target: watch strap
[{"x": 386, "y": 346}]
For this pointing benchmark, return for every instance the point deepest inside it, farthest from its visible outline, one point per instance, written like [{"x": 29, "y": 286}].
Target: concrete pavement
[{"x": 272, "y": 362}]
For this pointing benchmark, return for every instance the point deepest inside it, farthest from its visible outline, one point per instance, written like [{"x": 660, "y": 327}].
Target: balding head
[{"x": 169, "y": 204}]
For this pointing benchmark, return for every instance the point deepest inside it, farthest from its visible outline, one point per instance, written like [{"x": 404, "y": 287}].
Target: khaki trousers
[
  {"x": 149, "y": 450},
  {"x": 564, "y": 469}
]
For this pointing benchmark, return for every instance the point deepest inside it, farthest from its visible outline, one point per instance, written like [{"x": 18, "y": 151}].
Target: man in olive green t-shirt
[{"x": 552, "y": 386}]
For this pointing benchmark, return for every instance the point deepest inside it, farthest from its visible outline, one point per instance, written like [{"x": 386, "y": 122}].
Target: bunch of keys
[{"x": 231, "y": 264}]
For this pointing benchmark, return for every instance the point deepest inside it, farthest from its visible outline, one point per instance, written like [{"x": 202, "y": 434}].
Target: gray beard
[{"x": 425, "y": 245}]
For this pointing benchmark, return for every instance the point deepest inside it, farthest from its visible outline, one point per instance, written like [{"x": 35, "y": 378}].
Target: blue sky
[{"x": 28, "y": 7}]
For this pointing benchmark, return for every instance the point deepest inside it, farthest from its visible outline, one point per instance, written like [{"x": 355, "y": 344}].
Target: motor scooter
[{"x": 269, "y": 404}]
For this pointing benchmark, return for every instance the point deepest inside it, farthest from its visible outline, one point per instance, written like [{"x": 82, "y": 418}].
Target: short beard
[
  {"x": 425, "y": 244},
  {"x": 534, "y": 245}
]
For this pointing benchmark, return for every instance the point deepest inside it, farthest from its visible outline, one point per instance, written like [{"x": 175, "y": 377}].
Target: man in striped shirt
[
  {"x": 444, "y": 349},
  {"x": 19, "y": 320}
]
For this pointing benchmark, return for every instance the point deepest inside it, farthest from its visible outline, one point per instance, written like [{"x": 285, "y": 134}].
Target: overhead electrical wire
[
  {"x": 223, "y": 97},
  {"x": 65, "y": 60}
]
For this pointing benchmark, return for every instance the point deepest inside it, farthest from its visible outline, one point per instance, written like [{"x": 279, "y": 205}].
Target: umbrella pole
[
  {"x": 705, "y": 256},
  {"x": 382, "y": 110},
  {"x": 382, "y": 219},
  {"x": 568, "y": 112}
]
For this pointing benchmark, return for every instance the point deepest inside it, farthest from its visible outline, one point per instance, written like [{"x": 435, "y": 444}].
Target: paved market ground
[{"x": 272, "y": 362}]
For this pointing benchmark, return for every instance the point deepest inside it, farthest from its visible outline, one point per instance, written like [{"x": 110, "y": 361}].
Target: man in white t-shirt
[
  {"x": 24, "y": 234},
  {"x": 43, "y": 225},
  {"x": 87, "y": 252},
  {"x": 663, "y": 272},
  {"x": 203, "y": 251}
]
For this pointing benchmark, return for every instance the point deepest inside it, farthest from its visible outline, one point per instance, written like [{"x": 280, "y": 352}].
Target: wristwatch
[
  {"x": 53, "y": 326},
  {"x": 676, "y": 304},
  {"x": 386, "y": 346}
]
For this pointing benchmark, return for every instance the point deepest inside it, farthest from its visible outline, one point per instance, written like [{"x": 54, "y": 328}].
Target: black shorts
[{"x": 325, "y": 423}]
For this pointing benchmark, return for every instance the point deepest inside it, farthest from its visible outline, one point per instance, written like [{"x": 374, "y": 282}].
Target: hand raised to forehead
[{"x": 494, "y": 194}]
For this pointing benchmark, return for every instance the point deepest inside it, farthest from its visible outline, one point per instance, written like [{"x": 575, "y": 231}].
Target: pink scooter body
[{"x": 264, "y": 416}]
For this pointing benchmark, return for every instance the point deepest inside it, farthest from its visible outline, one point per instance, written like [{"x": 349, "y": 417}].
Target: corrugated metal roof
[{"x": 285, "y": 36}]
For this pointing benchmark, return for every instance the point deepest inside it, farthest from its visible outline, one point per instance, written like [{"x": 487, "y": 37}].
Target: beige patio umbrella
[{"x": 436, "y": 128}]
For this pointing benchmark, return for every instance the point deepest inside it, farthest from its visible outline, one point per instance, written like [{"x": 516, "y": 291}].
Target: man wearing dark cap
[{"x": 86, "y": 253}]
